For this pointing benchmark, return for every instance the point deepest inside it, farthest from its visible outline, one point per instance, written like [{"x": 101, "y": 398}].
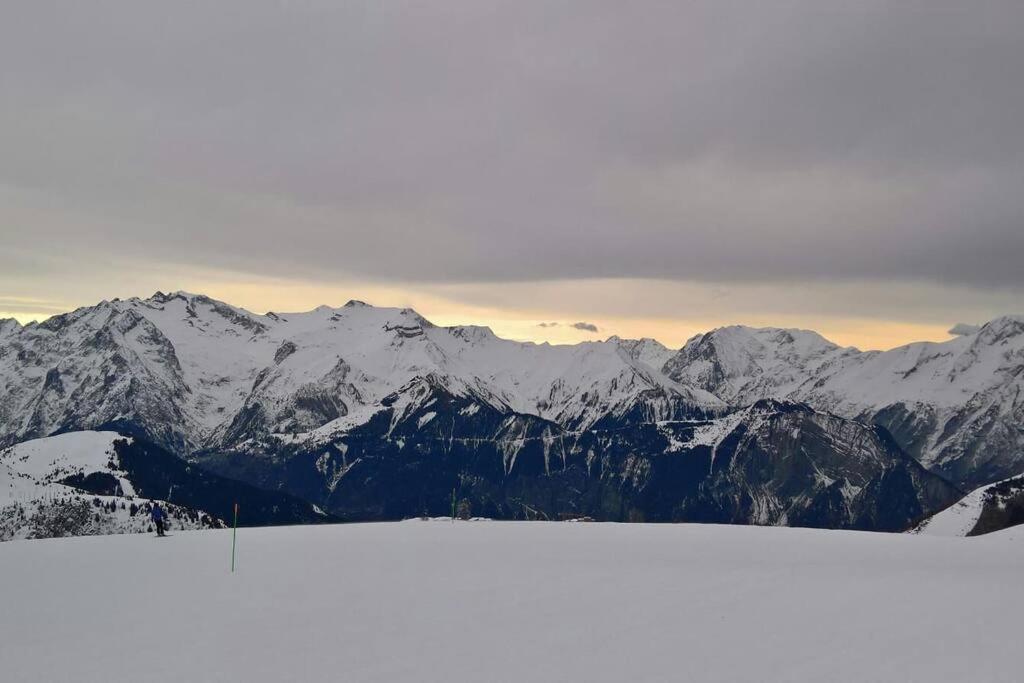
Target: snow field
[{"x": 508, "y": 601}]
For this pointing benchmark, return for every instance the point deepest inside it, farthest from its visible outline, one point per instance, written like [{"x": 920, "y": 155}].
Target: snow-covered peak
[
  {"x": 646, "y": 350},
  {"x": 794, "y": 341},
  {"x": 1002, "y": 329},
  {"x": 943, "y": 374},
  {"x": 742, "y": 364},
  {"x": 478, "y": 334}
]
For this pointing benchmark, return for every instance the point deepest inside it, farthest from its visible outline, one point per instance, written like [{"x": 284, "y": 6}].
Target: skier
[{"x": 158, "y": 516}]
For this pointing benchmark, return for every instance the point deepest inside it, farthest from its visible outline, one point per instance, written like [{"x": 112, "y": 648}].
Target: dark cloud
[
  {"x": 494, "y": 141},
  {"x": 963, "y": 329},
  {"x": 585, "y": 327}
]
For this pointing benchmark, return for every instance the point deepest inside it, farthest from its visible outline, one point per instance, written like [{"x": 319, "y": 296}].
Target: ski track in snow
[{"x": 505, "y": 601}]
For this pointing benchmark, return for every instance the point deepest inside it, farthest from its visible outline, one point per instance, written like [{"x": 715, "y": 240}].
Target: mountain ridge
[
  {"x": 195, "y": 373},
  {"x": 217, "y": 360}
]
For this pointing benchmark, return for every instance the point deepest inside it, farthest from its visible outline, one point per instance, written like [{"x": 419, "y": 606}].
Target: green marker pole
[{"x": 234, "y": 533}]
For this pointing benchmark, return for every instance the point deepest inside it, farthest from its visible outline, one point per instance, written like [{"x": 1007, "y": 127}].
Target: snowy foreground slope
[
  {"x": 94, "y": 483},
  {"x": 74, "y": 484},
  {"x": 434, "y": 601}
]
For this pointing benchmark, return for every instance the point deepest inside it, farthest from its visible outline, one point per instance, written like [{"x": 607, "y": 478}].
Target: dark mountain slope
[{"x": 774, "y": 463}]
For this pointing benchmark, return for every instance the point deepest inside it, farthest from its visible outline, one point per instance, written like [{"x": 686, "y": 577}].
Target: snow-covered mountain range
[
  {"x": 280, "y": 400},
  {"x": 199, "y": 373},
  {"x": 957, "y": 405}
]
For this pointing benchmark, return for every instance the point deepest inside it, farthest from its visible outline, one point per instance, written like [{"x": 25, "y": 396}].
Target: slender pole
[
  {"x": 453, "y": 506},
  {"x": 234, "y": 533}
]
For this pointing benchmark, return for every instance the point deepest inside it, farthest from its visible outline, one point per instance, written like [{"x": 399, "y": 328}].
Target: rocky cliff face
[
  {"x": 91, "y": 367},
  {"x": 772, "y": 463}
]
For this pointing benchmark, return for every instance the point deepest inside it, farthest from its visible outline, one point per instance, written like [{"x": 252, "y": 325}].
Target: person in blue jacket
[{"x": 159, "y": 517}]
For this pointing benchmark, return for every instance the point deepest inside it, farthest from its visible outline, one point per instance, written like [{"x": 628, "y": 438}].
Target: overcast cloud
[{"x": 474, "y": 141}]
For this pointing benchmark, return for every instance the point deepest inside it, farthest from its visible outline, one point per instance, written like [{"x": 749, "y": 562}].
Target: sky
[{"x": 646, "y": 169}]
